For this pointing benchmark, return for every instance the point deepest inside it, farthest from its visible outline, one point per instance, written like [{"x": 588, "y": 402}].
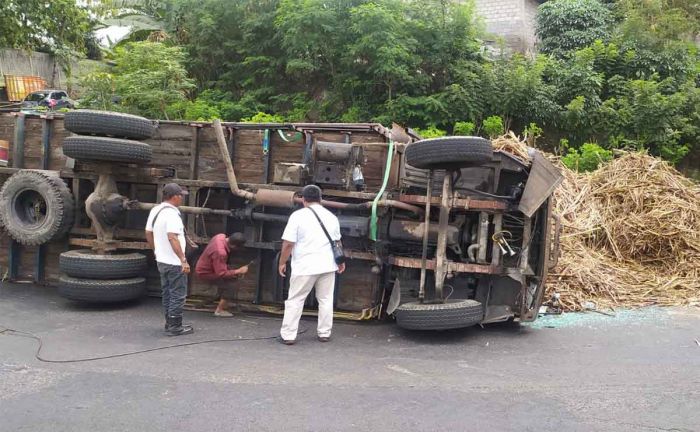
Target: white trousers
[{"x": 299, "y": 289}]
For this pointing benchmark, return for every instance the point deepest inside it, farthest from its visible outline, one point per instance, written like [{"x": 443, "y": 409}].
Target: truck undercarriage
[{"x": 440, "y": 234}]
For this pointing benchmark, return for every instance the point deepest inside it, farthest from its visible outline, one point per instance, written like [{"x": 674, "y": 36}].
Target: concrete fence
[{"x": 19, "y": 62}]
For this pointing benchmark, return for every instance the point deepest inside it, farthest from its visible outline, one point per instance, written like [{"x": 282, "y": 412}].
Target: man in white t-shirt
[
  {"x": 165, "y": 233},
  {"x": 313, "y": 264}
]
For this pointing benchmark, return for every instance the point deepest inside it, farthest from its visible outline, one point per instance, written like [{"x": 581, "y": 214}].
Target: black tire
[
  {"x": 449, "y": 152},
  {"x": 85, "y": 263},
  {"x": 101, "y": 291},
  {"x": 36, "y": 207},
  {"x": 105, "y": 123},
  {"x": 107, "y": 149},
  {"x": 452, "y": 314}
]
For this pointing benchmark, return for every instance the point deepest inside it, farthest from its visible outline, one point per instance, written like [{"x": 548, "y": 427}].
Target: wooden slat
[{"x": 172, "y": 146}]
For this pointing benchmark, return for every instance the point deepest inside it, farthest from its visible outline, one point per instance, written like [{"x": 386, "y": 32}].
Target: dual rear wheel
[
  {"x": 114, "y": 138},
  {"x": 446, "y": 153}
]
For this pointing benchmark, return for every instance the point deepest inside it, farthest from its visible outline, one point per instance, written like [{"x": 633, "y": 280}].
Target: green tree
[
  {"x": 520, "y": 91},
  {"x": 380, "y": 47},
  {"x": 98, "y": 89},
  {"x": 647, "y": 117},
  {"x": 660, "y": 38},
  {"x": 234, "y": 47},
  {"x": 148, "y": 78},
  {"x": 564, "y": 26},
  {"x": 42, "y": 25}
]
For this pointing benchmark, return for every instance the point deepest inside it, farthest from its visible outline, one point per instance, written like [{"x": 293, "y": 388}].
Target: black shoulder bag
[
  {"x": 192, "y": 250},
  {"x": 338, "y": 254}
]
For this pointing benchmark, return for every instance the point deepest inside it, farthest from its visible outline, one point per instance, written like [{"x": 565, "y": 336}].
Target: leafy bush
[
  {"x": 263, "y": 117},
  {"x": 197, "y": 110},
  {"x": 493, "y": 126},
  {"x": 148, "y": 78},
  {"x": 464, "y": 128},
  {"x": 98, "y": 91},
  {"x": 531, "y": 133},
  {"x": 430, "y": 132},
  {"x": 624, "y": 73},
  {"x": 587, "y": 158},
  {"x": 564, "y": 26}
]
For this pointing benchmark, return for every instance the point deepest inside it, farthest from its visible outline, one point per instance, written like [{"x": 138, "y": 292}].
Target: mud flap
[
  {"x": 395, "y": 298},
  {"x": 544, "y": 178}
]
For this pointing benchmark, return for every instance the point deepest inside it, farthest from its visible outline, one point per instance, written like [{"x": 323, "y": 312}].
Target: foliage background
[{"x": 609, "y": 75}]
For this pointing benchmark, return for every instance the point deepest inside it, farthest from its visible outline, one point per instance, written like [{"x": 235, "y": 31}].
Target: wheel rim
[{"x": 30, "y": 209}]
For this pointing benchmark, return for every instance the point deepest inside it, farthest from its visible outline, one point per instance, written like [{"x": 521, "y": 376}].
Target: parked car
[{"x": 53, "y": 99}]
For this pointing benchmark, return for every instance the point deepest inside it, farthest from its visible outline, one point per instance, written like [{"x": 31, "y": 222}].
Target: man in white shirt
[
  {"x": 165, "y": 233},
  {"x": 313, "y": 264}
]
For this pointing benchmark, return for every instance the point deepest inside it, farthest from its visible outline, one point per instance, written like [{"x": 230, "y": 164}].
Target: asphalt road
[{"x": 638, "y": 371}]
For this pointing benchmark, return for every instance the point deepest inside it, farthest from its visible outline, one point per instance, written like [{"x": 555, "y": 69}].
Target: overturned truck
[{"x": 439, "y": 233}]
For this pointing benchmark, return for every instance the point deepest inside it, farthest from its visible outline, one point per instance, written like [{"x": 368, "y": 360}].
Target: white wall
[{"x": 512, "y": 20}]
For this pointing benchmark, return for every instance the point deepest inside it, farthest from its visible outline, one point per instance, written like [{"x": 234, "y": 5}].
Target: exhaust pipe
[
  {"x": 230, "y": 173},
  {"x": 287, "y": 199}
]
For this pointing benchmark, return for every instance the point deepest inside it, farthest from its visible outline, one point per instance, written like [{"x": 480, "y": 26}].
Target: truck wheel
[
  {"x": 36, "y": 207},
  {"x": 442, "y": 316},
  {"x": 449, "y": 152},
  {"x": 105, "y": 123},
  {"x": 101, "y": 291},
  {"x": 85, "y": 263},
  {"x": 107, "y": 149}
]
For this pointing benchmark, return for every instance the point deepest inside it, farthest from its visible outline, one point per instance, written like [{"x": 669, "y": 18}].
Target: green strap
[
  {"x": 266, "y": 142},
  {"x": 373, "y": 220},
  {"x": 297, "y": 136}
]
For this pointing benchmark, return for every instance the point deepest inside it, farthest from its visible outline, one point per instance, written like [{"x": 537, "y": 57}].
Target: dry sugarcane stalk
[{"x": 631, "y": 233}]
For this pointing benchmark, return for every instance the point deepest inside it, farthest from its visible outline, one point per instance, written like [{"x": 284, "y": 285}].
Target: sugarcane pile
[{"x": 630, "y": 234}]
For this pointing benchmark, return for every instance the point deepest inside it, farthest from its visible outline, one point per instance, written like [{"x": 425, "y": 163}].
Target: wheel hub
[{"x": 30, "y": 208}]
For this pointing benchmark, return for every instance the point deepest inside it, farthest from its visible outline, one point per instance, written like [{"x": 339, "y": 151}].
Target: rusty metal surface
[
  {"x": 353, "y": 254},
  {"x": 135, "y": 205},
  {"x": 333, "y": 152},
  {"x": 426, "y": 237},
  {"x": 443, "y": 220},
  {"x": 495, "y": 249},
  {"x": 91, "y": 243},
  {"x": 354, "y": 226},
  {"x": 414, "y": 231},
  {"x": 464, "y": 203},
  {"x": 473, "y": 268},
  {"x": 8, "y": 171},
  {"x": 483, "y": 237},
  {"x": 530, "y": 313},
  {"x": 330, "y": 173},
  {"x": 274, "y": 198},
  {"x": 18, "y": 87},
  {"x": 451, "y": 265},
  {"x": 226, "y": 158},
  {"x": 553, "y": 245},
  {"x": 288, "y": 173}
]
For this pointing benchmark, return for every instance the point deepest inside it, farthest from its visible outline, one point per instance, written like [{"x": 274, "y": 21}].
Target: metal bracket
[{"x": 441, "y": 267}]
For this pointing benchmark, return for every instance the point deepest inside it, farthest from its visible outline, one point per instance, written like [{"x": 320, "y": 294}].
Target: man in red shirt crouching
[{"x": 212, "y": 266}]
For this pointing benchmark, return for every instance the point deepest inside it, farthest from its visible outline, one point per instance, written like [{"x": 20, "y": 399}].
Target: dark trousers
[{"x": 174, "y": 289}]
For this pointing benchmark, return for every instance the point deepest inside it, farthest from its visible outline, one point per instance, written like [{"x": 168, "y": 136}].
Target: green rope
[{"x": 373, "y": 220}]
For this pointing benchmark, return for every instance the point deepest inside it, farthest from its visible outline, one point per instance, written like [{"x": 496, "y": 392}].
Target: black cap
[
  {"x": 236, "y": 239},
  {"x": 311, "y": 193},
  {"x": 172, "y": 189}
]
